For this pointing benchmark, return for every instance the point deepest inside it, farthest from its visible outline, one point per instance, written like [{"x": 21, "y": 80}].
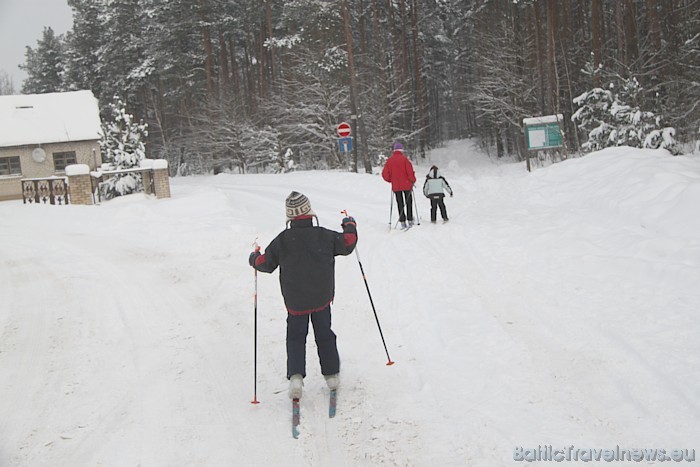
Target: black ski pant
[
  {"x": 435, "y": 203},
  {"x": 400, "y": 196},
  {"x": 297, "y": 330}
]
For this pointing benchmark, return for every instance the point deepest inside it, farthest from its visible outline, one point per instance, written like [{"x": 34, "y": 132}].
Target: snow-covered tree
[
  {"x": 121, "y": 64},
  {"x": 44, "y": 65},
  {"x": 7, "y": 87},
  {"x": 123, "y": 147},
  {"x": 82, "y": 45},
  {"x": 615, "y": 118},
  {"x": 593, "y": 117}
]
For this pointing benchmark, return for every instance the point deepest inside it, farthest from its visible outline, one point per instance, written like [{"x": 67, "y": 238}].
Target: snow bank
[{"x": 650, "y": 187}]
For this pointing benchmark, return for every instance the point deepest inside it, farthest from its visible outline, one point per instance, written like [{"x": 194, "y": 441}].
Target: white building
[{"x": 40, "y": 134}]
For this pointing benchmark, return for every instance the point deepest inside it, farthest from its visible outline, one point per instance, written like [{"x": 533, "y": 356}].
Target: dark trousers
[
  {"x": 437, "y": 202},
  {"x": 408, "y": 195},
  {"x": 297, "y": 329}
]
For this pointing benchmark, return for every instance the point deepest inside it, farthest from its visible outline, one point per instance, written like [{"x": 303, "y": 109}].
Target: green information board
[{"x": 544, "y": 136}]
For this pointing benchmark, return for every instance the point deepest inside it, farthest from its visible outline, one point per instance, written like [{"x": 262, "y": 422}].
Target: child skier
[
  {"x": 305, "y": 255},
  {"x": 433, "y": 189}
]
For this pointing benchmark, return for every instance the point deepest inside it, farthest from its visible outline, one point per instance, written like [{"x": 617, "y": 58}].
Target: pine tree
[
  {"x": 123, "y": 147},
  {"x": 593, "y": 117},
  {"x": 44, "y": 65},
  {"x": 82, "y": 46},
  {"x": 121, "y": 64},
  {"x": 631, "y": 123}
]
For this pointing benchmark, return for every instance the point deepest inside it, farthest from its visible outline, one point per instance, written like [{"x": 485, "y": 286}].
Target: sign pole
[{"x": 344, "y": 131}]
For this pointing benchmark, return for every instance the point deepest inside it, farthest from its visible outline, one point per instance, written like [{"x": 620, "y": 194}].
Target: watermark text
[{"x": 548, "y": 453}]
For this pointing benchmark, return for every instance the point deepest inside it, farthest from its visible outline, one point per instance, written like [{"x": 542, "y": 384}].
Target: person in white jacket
[{"x": 434, "y": 189}]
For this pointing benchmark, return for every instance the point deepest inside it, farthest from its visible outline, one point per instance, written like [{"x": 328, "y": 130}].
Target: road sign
[
  {"x": 345, "y": 144},
  {"x": 344, "y": 130}
]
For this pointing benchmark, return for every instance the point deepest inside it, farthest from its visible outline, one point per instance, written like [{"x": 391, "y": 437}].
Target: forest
[{"x": 260, "y": 85}]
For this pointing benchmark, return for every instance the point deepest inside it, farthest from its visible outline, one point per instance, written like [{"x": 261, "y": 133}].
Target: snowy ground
[{"x": 555, "y": 308}]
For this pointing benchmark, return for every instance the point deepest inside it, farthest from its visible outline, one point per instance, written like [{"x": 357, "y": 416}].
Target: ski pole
[
  {"x": 415, "y": 203},
  {"x": 391, "y": 206},
  {"x": 255, "y": 332},
  {"x": 381, "y": 334}
]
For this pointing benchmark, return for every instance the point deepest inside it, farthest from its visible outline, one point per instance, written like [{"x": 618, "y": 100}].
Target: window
[
  {"x": 10, "y": 166},
  {"x": 62, "y": 159}
]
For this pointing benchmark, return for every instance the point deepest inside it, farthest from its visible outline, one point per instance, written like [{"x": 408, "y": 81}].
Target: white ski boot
[
  {"x": 333, "y": 381},
  {"x": 296, "y": 383}
]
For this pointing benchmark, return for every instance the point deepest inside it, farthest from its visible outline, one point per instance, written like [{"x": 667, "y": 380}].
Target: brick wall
[
  {"x": 80, "y": 188},
  {"x": 161, "y": 182}
]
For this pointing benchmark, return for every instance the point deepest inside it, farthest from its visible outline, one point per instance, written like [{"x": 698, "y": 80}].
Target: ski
[
  {"x": 332, "y": 403},
  {"x": 296, "y": 418}
]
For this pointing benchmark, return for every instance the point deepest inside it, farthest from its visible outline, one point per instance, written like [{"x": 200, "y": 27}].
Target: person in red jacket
[{"x": 398, "y": 171}]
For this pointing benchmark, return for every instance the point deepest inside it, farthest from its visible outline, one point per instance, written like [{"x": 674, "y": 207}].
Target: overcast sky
[{"x": 22, "y": 23}]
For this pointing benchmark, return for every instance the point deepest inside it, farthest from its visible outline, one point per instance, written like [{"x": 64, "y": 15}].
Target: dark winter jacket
[
  {"x": 435, "y": 184},
  {"x": 398, "y": 171},
  {"x": 306, "y": 256}
]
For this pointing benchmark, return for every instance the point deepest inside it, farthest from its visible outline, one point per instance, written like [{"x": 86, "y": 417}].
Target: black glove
[
  {"x": 348, "y": 220},
  {"x": 253, "y": 257}
]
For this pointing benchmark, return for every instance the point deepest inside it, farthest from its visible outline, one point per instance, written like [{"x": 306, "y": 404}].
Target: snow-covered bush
[{"x": 615, "y": 117}]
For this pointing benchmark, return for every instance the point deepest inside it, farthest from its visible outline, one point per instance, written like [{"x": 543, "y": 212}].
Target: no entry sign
[{"x": 344, "y": 130}]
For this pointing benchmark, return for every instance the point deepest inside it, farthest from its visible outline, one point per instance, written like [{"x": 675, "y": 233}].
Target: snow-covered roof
[
  {"x": 48, "y": 118},
  {"x": 543, "y": 119}
]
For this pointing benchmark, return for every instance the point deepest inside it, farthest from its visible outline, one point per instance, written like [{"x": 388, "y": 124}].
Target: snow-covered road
[{"x": 555, "y": 308}]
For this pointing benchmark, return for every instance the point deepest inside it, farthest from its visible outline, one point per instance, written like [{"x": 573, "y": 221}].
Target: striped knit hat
[{"x": 298, "y": 205}]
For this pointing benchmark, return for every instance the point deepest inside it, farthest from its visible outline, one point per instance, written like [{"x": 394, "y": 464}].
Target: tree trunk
[
  {"x": 223, "y": 70},
  {"x": 384, "y": 74},
  {"x": 234, "y": 68},
  {"x": 654, "y": 28},
  {"x": 208, "y": 60},
  {"x": 620, "y": 30},
  {"x": 420, "y": 87},
  {"x": 363, "y": 32},
  {"x": 537, "y": 7},
  {"x": 551, "y": 65},
  {"x": 353, "y": 89},
  {"x": 596, "y": 27},
  {"x": 268, "y": 17},
  {"x": 631, "y": 39},
  {"x": 262, "y": 60}
]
